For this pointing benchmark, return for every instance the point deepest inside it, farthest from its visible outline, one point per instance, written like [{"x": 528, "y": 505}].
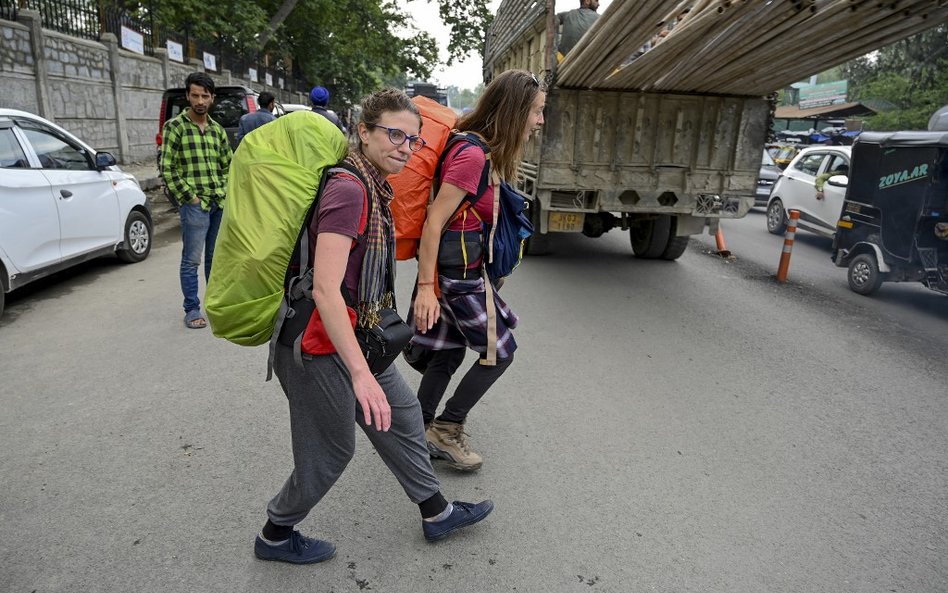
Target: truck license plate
[{"x": 568, "y": 222}]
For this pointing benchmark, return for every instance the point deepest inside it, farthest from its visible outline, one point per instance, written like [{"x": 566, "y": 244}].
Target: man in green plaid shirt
[{"x": 195, "y": 157}]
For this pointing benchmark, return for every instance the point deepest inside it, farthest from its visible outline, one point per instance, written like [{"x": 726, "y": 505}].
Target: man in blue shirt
[{"x": 254, "y": 120}]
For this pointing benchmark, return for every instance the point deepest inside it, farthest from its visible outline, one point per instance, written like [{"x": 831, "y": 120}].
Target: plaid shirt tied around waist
[
  {"x": 463, "y": 320},
  {"x": 194, "y": 163}
]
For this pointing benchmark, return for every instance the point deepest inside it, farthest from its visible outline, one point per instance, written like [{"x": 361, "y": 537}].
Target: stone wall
[{"x": 103, "y": 94}]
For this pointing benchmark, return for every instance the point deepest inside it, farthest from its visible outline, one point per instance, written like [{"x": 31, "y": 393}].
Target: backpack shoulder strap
[{"x": 300, "y": 285}]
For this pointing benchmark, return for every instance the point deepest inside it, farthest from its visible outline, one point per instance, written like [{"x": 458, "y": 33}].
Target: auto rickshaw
[{"x": 894, "y": 222}]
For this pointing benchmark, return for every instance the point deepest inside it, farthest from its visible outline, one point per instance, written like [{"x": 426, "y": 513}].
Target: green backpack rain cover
[{"x": 272, "y": 184}]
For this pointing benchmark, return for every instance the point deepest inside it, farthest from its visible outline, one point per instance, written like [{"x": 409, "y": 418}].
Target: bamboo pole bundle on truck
[{"x": 656, "y": 119}]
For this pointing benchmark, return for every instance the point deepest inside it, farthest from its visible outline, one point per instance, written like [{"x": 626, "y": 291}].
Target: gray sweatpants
[{"x": 322, "y": 410}]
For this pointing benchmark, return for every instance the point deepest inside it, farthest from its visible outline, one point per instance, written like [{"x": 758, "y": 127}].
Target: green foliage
[
  {"x": 211, "y": 22},
  {"x": 910, "y": 75},
  {"x": 468, "y": 21},
  {"x": 352, "y": 47}
]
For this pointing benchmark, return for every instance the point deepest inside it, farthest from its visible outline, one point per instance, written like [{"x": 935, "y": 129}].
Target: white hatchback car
[
  {"x": 62, "y": 203},
  {"x": 796, "y": 190}
]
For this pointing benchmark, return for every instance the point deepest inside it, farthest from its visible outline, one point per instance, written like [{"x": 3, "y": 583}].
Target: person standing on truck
[
  {"x": 195, "y": 157},
  {"x": 252, "y": 121},
  {"x": 320, "y": 99},
  {"x": 353, "y": 242},
  {"x": 505, "y": 116},
  {"x": 574, "y": 24}
]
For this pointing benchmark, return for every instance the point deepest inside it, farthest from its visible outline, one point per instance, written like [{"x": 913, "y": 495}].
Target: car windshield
[
  {"x": 226, "y": 111},
  {"x": 767, "y": 161}
]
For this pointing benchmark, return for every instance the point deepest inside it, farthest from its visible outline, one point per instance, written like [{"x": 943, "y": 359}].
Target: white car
[
  {"x": 291, "y": 107},
  {"x": 796, "y": 190},
  {"x": 62, "y": 203}
]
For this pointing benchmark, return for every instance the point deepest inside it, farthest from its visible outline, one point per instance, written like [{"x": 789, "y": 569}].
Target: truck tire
[
  {"x": 676, "y": 245},
  {"x": 537, "y": 243},
  {"x": 864, "y": 275},
  {"x": 649, "y": 237}
]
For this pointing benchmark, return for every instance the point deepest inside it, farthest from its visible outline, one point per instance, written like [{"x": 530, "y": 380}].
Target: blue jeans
[{"x": 198, "y": 232}]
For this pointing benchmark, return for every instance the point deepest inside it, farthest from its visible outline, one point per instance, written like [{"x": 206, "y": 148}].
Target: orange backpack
[{"x": 413, "y": 185}]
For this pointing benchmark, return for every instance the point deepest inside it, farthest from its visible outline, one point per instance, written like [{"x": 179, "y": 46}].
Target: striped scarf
[{"x": 375, "y": 289}]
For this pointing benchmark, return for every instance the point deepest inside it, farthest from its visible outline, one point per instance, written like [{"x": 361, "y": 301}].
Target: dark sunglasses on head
[{"x": 398, "y": 137}]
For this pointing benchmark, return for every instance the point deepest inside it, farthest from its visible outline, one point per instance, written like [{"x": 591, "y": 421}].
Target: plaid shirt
[
  {"x": 463, "y": 321},
  {"x": 194, "y": 163}
]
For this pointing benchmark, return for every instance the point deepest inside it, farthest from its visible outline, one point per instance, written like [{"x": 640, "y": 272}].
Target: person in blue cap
[{"x": 320, "y": 98}]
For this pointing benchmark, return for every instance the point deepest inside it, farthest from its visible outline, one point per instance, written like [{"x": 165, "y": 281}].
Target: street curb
[
  {"x": 163, "y": 216},
  {"x": 149, "y": 183}
]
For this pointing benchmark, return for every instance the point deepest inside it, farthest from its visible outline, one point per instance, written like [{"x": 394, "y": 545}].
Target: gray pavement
[
  {"x": 687, "y": 427},
  {"x": 163, "y": 214}
]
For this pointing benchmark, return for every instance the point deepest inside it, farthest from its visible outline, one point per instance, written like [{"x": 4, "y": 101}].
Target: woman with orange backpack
[{"x": 455, "y": 298}]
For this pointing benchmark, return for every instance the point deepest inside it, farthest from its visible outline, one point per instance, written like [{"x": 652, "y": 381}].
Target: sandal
[{"x": 194, "y": 320}]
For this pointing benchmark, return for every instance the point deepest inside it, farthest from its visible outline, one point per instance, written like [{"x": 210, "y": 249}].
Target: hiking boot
[
  {"x": 446, "y": 440},
  {"x": 463, "y": 514},
  {"x": 298, "y": 549}
]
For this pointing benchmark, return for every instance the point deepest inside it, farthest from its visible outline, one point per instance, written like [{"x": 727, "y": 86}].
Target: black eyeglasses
[
  {"x": 398, "y": 137},
  {"x": 535, "y": 79}
]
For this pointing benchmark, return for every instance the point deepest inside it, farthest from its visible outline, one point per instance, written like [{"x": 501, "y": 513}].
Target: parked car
[
  {"x": 769, "y": 172},
  {"x": 230, "y": 103},
  {"x": 796, "y": 190},
  {"x": 62, "y": 203},
  {"x": 291, "y": 107}
]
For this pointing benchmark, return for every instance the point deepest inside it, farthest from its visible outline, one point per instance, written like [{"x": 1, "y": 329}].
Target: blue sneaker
[
  {"x": 464, "y": 514},
  {"x": 299, "y": 549}
]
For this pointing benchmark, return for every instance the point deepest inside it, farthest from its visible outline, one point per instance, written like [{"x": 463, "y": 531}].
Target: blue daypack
[
  {"x": 513, "y": 229},
  {"x": 513, "y": 224}
]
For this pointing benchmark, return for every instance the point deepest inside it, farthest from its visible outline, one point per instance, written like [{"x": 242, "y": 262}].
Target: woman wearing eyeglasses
[
  {"x": 452, "y": 243},
  {"x": 353, "y": 253}
]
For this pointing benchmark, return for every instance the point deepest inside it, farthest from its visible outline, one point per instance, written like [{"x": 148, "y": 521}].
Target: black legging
[{"x": 470, "y": 390}]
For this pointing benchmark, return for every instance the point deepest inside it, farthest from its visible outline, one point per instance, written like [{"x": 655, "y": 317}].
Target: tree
[
  {"x": 350, "y": 46},
  {"x": 911, "y": 75},
  {"x": 468, "y": 21}
]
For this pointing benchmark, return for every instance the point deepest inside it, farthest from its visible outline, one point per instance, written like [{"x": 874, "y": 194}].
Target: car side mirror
[
  {"x": 838, "y": 181},
  {"x": 104, "y": 160}
]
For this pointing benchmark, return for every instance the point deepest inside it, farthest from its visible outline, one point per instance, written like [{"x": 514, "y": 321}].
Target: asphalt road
[{"x": 689, "y": 427}]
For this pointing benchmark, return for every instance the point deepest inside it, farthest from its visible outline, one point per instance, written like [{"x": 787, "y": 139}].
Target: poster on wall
[
  {"x": 280, "y": 82},
  {"x": 133, "y": 40},
  {"x": 252, "y": 74},
  {"x": 210, "y": 61},
  {"x": 269, "y": 78},
  {"x": 175, "y": 51}
]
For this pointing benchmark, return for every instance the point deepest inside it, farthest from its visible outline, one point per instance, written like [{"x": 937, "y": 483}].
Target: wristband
[{"x": 426, "y": 283}]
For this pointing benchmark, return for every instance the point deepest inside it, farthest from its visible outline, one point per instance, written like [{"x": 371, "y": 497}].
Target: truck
[
  {"x": 427, "y": 89},
  {"x": 661, "y": 165}
]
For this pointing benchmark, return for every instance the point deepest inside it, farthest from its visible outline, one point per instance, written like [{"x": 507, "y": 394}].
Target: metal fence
[
  {"x": 79, "y": 18},
  {"x": 8, "y": 9},
  {"x": 116, "y": 17}
]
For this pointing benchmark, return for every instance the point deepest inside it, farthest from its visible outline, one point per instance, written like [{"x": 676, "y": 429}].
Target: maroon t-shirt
[
  {"x": 464, "y": 170},
  {"x": 341, "y": 209}
]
